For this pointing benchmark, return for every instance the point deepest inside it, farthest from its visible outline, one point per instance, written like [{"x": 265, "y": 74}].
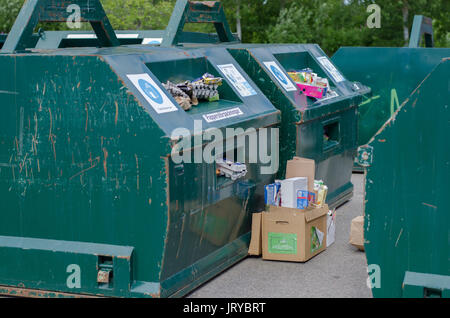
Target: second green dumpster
[{"x": 323, "y": 129}]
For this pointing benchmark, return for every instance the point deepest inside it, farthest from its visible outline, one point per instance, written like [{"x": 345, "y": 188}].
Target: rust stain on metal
[
  {"x": 430, "y": 205},
  {"x": 117, "y": 112},
  {"x": 36, "y": 293},
  {"x": 105, "y": 162},
  {"x": 87, "y": 169},
  {"x": 87, "y": 117}
]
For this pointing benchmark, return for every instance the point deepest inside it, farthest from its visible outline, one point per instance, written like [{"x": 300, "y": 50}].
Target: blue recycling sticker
[
  {"x": 150, "y": 91},
  {"x": 279, "y": 75}
]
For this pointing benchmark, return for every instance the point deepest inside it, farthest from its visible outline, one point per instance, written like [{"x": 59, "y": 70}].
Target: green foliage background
[{"x": 329, "y": 23}]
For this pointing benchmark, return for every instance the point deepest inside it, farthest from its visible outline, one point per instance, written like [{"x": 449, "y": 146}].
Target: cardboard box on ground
[
  {"x": 294, "y": 235},
  {"x": 357, "y": 232},
  {"x": 289, "y": 233}
]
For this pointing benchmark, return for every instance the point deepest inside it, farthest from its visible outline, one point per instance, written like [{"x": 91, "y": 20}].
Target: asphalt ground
[{"x": 339, "y": 271}]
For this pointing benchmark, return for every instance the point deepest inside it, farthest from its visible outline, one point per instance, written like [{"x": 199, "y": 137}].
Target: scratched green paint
[
  {"x": 407, "y": 186},
  {"x": 385, "y": 70}
]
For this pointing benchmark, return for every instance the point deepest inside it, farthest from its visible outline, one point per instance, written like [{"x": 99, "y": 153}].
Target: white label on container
[
  {"x": 233, "y": 112},
  {"x": 152, "y": 41},
  {"x": 237, "y": 80},
  {"x": 152, "y": 93},
  {"x": 334, "y": 73},
  {"x": 280, "y": 76}
]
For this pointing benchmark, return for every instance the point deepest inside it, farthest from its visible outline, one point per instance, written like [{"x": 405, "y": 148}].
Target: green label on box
[
  {"x": 316, "y": 239},
  {"x": 282, "y": 243}
]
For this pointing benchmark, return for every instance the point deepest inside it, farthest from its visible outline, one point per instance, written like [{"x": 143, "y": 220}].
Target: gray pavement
[{"x": 339, "y": 271}]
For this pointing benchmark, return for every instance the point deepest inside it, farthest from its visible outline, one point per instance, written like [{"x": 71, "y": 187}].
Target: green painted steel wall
[
  {"x": 73, "y": 146},
  {"x": 406, "y": 205},
  {"x": 391, "y": 73}
]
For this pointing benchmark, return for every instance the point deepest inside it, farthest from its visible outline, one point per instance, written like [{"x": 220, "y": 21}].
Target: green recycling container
[
  {"x": 321, "y": 129},
  {"x": 407, "y": 184},
  {"x": 93, "y": 201},
  {"x": 392, "y": 73}
]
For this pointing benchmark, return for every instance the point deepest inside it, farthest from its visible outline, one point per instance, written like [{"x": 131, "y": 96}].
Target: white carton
[
  {"x": 289, "y": 188},
  {"x": 331, "y": 227}
]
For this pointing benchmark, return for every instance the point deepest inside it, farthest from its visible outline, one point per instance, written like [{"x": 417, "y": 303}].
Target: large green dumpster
[
  {"x": 407, "y": 186},
  {"x": 93, "y": 202},
  {"x": 306, "y": 120}
]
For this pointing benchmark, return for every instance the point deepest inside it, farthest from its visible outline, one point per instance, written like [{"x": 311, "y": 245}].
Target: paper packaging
[
  {"x": 302, "y": 167},
  {"x": 331, "y": 227},
  {"x": 302, "y": 199},
  {"x": 255, "y": 247},
  {"x": 292, "y": 234},
  {"x": 357, "y": 232},
  {"x": 272, "y": 193},
  {"x": 289, "y": 189}
]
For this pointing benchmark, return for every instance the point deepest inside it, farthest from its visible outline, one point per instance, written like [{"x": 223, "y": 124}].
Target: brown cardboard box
[
  {"x": 255, "y": 247},
  {"x": 302, "y": 167},
  {"x": 294, "y": 234},
  {"x": 357, "y": 232}
]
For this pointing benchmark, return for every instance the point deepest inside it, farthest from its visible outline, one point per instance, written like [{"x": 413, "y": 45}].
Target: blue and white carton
[{"x": 272, "y": 193}]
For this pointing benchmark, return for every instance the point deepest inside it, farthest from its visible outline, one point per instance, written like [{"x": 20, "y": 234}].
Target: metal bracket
[
  {"x": 421, "y": 26},
  {"x": 35, "y": 11},
  {"x": 365, "y": 156},
  {"x": 186, "y": 11},
  {"x": 423, "y": 285}
]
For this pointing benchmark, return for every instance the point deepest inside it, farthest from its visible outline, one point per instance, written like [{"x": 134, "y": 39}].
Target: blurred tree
[
  {"x": 330, "y": 23},
  {"x": 336, "y": 23},
  {"x": 9, "y": 9}
]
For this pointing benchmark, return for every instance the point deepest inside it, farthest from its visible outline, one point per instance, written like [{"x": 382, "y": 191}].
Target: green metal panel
[
  {"x": 303, "y": 119},
  {"x": 34, "y": 11},
  {"x": 420, "y": 285},
  {"x": 391, "y": 73},
  {"x": 422, "y": 26},
  {"x": 407, "y": 187},
  {"x": 186, "y": 11}
]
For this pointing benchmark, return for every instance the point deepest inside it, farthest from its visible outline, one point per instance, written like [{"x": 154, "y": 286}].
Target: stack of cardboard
[{"x": 291, "y": 233}]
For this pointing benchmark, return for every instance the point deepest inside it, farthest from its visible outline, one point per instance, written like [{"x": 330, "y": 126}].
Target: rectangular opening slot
[
  {"x": 432, "y": 293},
  {"x": 234, "y": 155},
  {"x": 105, "y": 271},
  {"x": 296, "y": 61},
  {"x": 331, "y": 135},
  {"x": 179, "y": 71}
]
